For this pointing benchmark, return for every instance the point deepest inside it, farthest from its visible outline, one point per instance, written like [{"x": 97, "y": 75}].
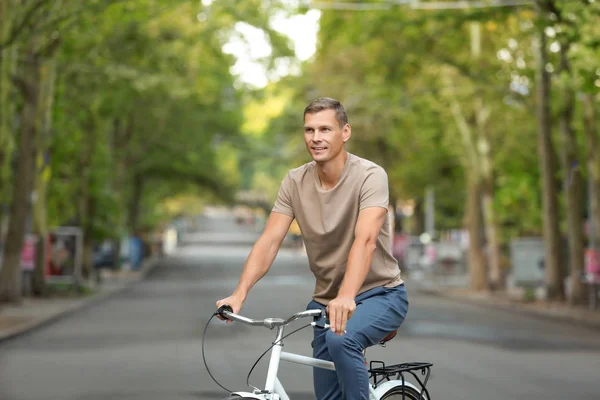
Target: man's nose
[{"x": 316, "y": 136}]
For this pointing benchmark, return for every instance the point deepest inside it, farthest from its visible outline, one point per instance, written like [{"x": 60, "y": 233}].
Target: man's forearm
[
  {"x": 257, "y": 265},
  {"x": 357, "y": 268}
]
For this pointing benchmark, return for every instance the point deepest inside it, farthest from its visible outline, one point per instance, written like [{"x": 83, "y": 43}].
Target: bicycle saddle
[{"x": 389, "y": 337}]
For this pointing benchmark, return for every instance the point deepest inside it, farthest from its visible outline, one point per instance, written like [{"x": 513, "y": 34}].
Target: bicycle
[{"x": 383, "y": 386}]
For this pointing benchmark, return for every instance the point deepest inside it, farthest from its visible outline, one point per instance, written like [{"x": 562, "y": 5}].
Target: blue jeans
[{"x": 379, "y": 311}]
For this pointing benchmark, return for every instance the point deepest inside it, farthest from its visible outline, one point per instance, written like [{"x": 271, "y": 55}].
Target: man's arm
[
  {"x": 369, "y": 224},
  {"x": 260, "y": 259}
]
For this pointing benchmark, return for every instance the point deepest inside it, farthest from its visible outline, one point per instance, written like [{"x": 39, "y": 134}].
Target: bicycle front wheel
[{"x": 397, "y": 392}]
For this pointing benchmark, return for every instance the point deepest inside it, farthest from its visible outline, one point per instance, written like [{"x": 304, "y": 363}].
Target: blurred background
[{"x": 151, "y": 136}]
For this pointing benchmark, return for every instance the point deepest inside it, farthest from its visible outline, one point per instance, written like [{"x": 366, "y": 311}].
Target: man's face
[{"x": 323, "y": 135}]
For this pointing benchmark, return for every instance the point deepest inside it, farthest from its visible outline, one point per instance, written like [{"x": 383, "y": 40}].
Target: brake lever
[
  {"x": 322, "y": 315},
  {"x": 222, "y": 309}
]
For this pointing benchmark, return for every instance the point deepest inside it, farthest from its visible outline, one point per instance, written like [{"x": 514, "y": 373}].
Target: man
[{"x": 340, "y": 202}]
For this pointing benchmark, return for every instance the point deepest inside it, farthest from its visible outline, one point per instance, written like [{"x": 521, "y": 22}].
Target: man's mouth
[{"x": 319, "y": 148}]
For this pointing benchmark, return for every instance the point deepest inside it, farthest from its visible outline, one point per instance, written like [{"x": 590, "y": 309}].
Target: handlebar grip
[{"x": 224, "y": 308}]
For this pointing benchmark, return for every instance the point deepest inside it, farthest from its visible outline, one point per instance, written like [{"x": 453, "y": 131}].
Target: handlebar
[{"x": 226, "y": 312}]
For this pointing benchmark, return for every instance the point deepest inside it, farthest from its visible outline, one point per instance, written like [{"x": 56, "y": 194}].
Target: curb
[
  {"x": 508, "y": 307},
  {"x": 39, "y": 323}
]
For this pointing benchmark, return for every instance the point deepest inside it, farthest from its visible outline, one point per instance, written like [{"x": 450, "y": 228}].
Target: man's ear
[{"x": 346, "y": 132}]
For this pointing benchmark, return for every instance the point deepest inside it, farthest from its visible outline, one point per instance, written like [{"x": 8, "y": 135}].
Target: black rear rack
[{"x": 386, "y": 372}]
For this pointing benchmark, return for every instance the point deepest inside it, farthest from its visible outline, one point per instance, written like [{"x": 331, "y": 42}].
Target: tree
[
  {"x": 483, "y": 106},
  {"x": 112, "y": 103},
  {"x": 28, "y": 81}
]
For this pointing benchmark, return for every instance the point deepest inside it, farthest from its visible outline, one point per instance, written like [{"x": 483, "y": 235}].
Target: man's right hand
[{"x": 233, "y": 301}]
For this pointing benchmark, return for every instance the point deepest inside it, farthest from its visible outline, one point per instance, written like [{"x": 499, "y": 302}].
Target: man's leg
[
  {"x": 325, "y": 381},
  {"x": 378, "y": 312}
]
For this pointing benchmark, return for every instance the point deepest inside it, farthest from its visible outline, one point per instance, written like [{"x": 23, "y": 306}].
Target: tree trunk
[
  {"x": 593, "y": 142},
  {"x": 88, "y": 237},
  {"x": 135, "y": 204},
  {"x": 474, "y": 166},
  {"x": 46, "y": 101},
  {"x": 123, "y": 132},
  {"x": 553, "y": 256},
  {"x": 478, "y": 279},
  {"x": 572, "y": 186},
  {"x": 38, "y": 280},
  {"x": 40, "y": 229},
  {"x": 418, "y": 223},
  {"x": 483, "y": 164},
  {"x": 10, "y": 275},
  {"x": 86, "y": 201},
  {"x": 115, "y": 142},
  {"x": 7, "y": 107},
  {"x": 496, "y": 277}
]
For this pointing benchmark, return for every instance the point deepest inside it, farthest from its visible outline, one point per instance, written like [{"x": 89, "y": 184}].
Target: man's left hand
[{"x": 339, "y": 311}]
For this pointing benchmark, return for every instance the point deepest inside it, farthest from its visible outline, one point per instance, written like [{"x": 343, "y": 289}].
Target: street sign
[{"x": 528, "y": 259}]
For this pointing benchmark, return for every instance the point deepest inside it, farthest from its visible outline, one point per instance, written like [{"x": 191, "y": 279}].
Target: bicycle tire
[{"x": 410, "y": 393}]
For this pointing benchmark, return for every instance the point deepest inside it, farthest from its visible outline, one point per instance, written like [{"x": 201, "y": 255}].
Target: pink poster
[
  {"x": 592, "y": 262},
  {"x": 28, "y": 253}
]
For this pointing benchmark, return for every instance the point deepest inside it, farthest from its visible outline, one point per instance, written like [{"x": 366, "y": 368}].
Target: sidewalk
[
  {"x": 456, "y": 288},
  {"x": 33, "y": 313}
]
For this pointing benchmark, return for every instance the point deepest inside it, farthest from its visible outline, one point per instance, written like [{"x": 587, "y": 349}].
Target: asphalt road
[{"x": 146, "y": 342}]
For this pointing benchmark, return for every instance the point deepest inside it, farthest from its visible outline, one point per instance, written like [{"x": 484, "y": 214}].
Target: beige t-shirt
[{"x": 327, "y": 218}]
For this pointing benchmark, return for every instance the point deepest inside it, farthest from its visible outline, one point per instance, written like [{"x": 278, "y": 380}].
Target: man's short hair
[{"x": 327, "y": 103}]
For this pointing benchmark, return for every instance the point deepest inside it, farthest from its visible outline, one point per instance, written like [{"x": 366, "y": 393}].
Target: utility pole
[
  {"x": 591, "y": 210},
  {"x": 430, "y": 211}
]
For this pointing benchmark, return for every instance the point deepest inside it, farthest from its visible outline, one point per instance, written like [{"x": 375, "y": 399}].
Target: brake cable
[
  {"x": 253, "y": 366},
  {"x": 270, "y": 347},
  {"x": 204, "y": 357}
]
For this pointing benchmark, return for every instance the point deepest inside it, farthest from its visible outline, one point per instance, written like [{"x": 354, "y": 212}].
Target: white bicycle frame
[{"x": 274, "y": 390}]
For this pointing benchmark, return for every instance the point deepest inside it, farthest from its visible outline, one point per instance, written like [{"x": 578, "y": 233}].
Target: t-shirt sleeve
[
  {"x": 375, "y": 190},
  {"x": 283, "y": 203}
]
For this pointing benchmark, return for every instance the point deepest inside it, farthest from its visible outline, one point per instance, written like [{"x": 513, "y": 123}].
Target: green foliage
[
  {"x": 144, "y": 90},
  {"x": 387, "y": 69},
  {"x": 143, "y": 93}
]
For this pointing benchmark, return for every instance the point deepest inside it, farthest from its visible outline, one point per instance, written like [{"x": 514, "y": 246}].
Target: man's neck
[{"x": 331, "y": 171}]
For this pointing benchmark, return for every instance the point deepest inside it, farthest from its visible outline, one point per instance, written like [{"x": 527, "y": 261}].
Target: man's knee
[{"x": 338, "y": 344}]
